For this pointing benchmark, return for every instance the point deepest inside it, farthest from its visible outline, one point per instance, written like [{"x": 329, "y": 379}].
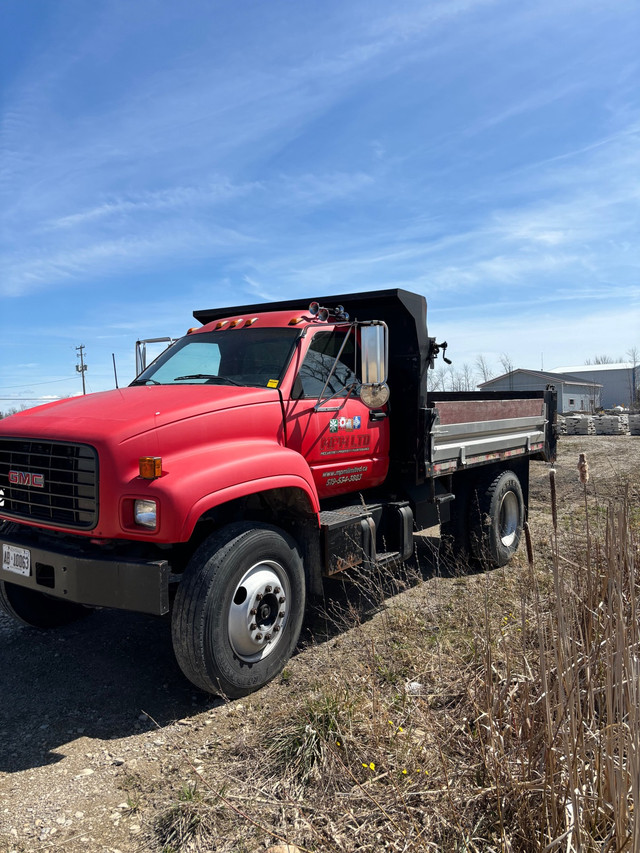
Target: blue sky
[{"x": 157, "y": 158}]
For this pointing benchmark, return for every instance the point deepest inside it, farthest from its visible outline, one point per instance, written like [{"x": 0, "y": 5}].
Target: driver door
[{"x": 345, "y": 444}]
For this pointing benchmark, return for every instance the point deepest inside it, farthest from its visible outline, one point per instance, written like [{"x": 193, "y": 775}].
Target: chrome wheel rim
[
  {"x": 509, "y": 519},
  {"x": 259, "y": 611}
]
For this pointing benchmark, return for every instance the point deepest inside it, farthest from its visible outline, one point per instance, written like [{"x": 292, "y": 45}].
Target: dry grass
[{"x": 499, "y": 711}]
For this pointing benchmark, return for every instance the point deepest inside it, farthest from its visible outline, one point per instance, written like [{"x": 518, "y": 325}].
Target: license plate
[{"x": 16, "y": 560}]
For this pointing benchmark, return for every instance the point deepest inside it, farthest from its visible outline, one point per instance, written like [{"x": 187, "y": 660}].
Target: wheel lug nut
[
  {"x": 267, "y": 589},
  {"x": 281, "y": 614},
  {"x": 258, "y": 636},
  {"x": 281, "y": 599},
  {"x": 276, "y": 590},
  {"x": 259, "y": 597},
  {"x": 276, "y": 628},
  {"x": 253, "y": 626},
  {"x": 253, "y": 611},
  {"x": 267, "y": 636}
]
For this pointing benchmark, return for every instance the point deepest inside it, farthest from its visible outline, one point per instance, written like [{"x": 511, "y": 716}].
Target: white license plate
[{"x": 16, "y": 560}]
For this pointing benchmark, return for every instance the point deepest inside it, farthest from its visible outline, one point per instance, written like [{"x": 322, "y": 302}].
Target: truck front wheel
[
  {"x": 239, "y": 609},
  {"x": 498, "y": 519},
  {"x": 37, "y": 609}
]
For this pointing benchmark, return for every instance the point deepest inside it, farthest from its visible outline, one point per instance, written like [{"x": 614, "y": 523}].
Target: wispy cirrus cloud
[
  {"x": 173, "y": 199},
  {"x": 35, "y": 272}
]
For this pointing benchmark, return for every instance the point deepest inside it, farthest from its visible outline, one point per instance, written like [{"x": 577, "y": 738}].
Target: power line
[{"x": 33, "y": 384}]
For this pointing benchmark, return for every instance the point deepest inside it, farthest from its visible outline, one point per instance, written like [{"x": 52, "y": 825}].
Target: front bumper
[{"x": 86, "y": 575}]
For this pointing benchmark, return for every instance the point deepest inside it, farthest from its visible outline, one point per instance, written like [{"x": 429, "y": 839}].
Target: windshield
[{"x": 227, "y": 357}]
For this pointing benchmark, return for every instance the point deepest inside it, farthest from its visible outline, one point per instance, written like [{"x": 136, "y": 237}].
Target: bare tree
[
  {"x": 602, "y": 359},
  {"x": 482, "y": 366},
  {"x": 505, "y": 361},
  {"x": 12, "y": 411},
  {"x": 436, "y": 379},
  {"x": 456, "y": 381},
  {"x": 468, "y": 377},
  {"x": 450, "y": 379}
]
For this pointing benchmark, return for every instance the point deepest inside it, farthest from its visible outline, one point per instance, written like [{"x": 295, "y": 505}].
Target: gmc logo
[{"x": 23, "y": 478}]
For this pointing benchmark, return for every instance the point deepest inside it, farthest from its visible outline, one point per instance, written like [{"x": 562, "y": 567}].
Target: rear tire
[
  {"x": 497, "y": 519},
  {"x": 239, "y": 608},
  {"x": 37, "y": 609}
]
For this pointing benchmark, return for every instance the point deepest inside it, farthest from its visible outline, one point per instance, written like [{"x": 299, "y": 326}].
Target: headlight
[{"x": 145, "y": 513}]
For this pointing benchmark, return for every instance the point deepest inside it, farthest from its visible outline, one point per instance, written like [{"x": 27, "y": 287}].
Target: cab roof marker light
[
  {"x": 221, "y": 324},
  {"x": 150, "y": 467},
  {"x": 295, "y": 320},
  {"x": 234, "y": 323},
  {"x": 192, "y": 330},
  {"x": 251, "y": 321}
]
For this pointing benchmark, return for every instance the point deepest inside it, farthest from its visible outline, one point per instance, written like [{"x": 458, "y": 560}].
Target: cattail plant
[{"x": 554, "y": 499}]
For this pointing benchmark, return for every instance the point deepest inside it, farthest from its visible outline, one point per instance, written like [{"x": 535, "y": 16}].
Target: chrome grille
[{"x": 49, "y": 481}]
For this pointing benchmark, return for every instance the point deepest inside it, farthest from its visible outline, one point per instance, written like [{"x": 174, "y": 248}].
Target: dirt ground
[{"x": 100, "y": 732}]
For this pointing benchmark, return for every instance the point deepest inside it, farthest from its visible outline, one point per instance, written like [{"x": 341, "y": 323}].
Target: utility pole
[{"x": 82, "y": 366}]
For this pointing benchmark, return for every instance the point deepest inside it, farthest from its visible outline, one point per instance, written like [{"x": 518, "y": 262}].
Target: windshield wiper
[
  {"x": 144, "y": 382},
  {"x": 211, "y": 377}
]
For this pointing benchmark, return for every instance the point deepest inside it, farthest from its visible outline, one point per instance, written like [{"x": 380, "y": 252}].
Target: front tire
[
  {"x": 498, "y": 519},
  {"x": 239, "y": 609}
]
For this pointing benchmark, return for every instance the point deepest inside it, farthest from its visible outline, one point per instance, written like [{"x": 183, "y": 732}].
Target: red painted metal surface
[{"x": 476, "y": 411}]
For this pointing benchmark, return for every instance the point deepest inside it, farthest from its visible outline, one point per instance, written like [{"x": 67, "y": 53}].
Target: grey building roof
[
  {"x": 594, "y": 368},
  {"x": 544, "y": 376}
]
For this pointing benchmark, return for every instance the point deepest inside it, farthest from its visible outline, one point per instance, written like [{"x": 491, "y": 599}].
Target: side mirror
[{"x": 374, "y": 348}]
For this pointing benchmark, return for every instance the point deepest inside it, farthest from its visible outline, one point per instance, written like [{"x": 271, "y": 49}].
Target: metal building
[{"x": 620, "y": 382}]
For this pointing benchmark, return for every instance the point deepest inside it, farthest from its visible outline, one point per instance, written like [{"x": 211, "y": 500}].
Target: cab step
[{"x": 354, "y": 534}]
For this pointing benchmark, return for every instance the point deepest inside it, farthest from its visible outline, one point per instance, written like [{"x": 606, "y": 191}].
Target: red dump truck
[{"x": 272, "y": 446}]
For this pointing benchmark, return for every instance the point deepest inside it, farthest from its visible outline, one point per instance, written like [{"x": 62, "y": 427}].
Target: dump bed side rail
[{"x": 467, "y": 429}]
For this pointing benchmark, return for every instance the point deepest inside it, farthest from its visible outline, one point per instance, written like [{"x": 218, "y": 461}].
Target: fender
[
  {"x": 195, "y": 483},
  {"x": 242, "y": 490}
]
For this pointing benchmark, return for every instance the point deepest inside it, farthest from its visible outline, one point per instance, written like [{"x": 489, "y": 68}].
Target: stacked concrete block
[
  {"x": 612, "y": 425},
  {"x": 580, "y": 425},
  {"x": 599, "y": 424}
]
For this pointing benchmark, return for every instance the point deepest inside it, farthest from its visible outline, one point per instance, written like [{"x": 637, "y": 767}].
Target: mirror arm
[
  {"x": 319, "y": 406},
  {"x": 332, "y": 371}
]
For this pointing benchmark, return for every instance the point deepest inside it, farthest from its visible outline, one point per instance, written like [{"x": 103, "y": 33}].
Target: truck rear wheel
[
  {"x": 498, "y": 519},
  {"x": 239, "y": 609},
  {"x": 37, "y": 609}
]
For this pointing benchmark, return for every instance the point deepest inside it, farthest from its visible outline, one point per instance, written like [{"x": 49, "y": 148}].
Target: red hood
[{"x": 127, "y": 412}]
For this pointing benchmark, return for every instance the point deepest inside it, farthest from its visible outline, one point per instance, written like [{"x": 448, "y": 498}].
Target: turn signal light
[{"x": 150, "y": 467}]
